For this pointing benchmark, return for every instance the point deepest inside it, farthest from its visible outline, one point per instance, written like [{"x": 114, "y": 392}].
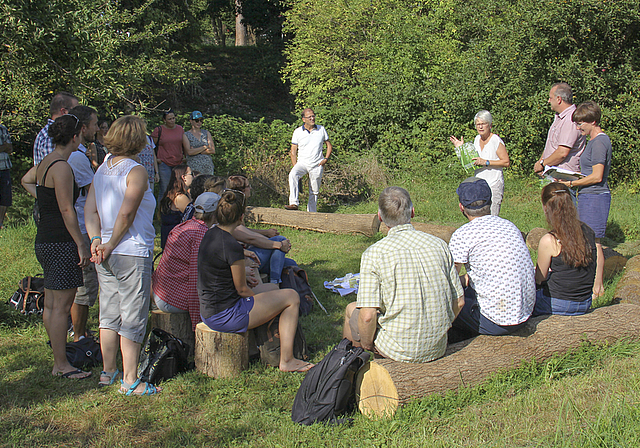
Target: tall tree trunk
[
  {"x": 220, "y": 32},
  {"x": 241, "y": 29}
]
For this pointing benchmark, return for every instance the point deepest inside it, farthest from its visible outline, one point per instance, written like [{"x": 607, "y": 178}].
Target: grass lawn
[{"x": 587, "y": 398}]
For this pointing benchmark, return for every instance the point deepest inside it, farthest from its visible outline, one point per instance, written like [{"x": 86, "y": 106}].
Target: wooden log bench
[
  {"x": 178, "y": 324},
  {"x": 383, "y": 385},
  {"x": 220, "y": 355}
]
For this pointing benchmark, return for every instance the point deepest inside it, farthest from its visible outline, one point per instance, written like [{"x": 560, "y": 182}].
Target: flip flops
[
  {"x": 128, "y": 390},
  {"x": 73, "y": 372},
  {"x": 111, "y": 378}
]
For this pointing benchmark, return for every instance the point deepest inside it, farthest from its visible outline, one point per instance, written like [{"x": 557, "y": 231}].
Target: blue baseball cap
[
  {"x": 196, "y": 114},
  {"x": 474, "y": 189}
]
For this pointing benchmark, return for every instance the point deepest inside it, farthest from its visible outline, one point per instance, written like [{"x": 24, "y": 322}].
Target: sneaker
[{"x": 291, "y": 207}]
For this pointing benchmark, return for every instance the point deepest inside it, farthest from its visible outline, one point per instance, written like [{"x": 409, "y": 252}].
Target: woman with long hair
[
  {"x": 566, "y": 265},
  {"x": 227, "y": 304},
  {"x": 60, "y": 246},
  {"x": 175, "y": 200},
  {"x": 119, "y": 218}
]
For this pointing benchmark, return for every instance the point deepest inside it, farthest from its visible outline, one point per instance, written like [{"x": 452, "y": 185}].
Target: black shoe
[{"x": 291, "y": 207}]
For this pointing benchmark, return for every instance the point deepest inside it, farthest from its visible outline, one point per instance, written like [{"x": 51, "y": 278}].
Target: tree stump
[
  {"x": 178, "y": 324},
  {"x": 442, "y": 232},
  {"x": 628, "y": 289},
  {"x": 534, "y": 236},
  {"x": 386, "y": 384},
  {"x": 220, "y": 355},
  {"x": 367, "y": 225}
]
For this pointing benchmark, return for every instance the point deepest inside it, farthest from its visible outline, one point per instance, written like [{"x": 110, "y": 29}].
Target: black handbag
[
  {"x": 84, "y": 354},
  {"x": 29, "y": 298},
  {"x": 163, "y": 357}
]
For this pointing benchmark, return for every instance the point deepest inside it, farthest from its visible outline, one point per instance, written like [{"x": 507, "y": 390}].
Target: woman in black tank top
[{"x": 59, "y": 245}]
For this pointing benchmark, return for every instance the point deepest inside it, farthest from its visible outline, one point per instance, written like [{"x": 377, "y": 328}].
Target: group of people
[
  {"x": 96, "y": 206},
  {"x": 412, "y": 299}
]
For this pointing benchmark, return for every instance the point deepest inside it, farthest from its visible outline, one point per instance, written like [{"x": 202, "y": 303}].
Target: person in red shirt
[{"x": 171, "y": 144}]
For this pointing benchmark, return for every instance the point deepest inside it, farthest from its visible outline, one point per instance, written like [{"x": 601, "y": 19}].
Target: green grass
[{"x": 587, "y": 398}]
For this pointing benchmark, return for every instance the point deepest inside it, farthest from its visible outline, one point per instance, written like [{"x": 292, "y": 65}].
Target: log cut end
[{"x": 376, "y": 395}]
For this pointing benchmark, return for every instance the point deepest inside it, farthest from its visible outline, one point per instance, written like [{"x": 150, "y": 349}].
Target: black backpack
[
  {"x": 163, "y": 357},
  {"x": 295, "y": 278},
  {"x": 327, "y": 390},
  {"x": 84, "y": 354}
]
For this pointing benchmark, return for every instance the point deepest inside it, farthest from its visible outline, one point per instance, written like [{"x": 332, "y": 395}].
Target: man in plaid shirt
[
  {"x": 409, "y": 289},
  {"x": 61, "y": 104}
]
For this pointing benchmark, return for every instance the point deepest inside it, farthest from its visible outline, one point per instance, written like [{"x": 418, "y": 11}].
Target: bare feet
[{"x": 295, "y": 365}]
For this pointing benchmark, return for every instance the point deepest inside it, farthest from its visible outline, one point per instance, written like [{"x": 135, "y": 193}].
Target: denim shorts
[
  {"x": 234, "y": 319},
  {"x": 549, "y": 305}
]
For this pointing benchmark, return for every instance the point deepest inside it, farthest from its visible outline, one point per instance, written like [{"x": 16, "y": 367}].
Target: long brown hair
[
  {"x": 176, "y": 186},
  {"x": 562, "y": 217}
]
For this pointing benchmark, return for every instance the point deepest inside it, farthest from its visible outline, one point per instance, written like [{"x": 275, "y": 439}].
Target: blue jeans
[
  {"x": 272, "y": 261},
  {"x": 164, "y": 172},
  {"x": 549, "y": 305},
  {"x": 471, "y": 319}
]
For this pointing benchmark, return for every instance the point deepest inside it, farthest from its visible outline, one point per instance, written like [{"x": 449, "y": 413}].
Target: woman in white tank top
[
  {"x": 119, "y": 219},
  {"x": 492, "y": 158}
]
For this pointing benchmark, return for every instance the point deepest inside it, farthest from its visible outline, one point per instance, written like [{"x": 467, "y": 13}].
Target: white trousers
[{"x": 315, "y": 179}]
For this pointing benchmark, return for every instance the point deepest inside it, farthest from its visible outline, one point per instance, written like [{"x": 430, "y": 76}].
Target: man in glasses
[
  {"x": 306, "y": 157},
  {"x": 61, "y": 104}
]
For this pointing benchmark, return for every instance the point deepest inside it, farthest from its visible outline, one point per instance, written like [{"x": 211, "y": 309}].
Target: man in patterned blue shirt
[
  {"x": 500, "y": 289},
  {"x": 409, "y": 291},
  {"x": 61, "y": 104}
]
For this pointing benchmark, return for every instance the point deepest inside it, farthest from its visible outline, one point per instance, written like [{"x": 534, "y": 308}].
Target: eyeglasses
[
  {"x": 310, "y": 116},
  {"x": 198, "y": 120},
  {"x": 77, "y": 119}
]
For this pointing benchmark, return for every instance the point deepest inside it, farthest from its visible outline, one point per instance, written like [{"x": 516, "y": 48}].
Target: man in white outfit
[{"x": 306, "y": 158}]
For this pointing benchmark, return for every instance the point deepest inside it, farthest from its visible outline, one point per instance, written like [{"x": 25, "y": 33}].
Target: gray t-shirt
[{"x": 598, "y": 151}]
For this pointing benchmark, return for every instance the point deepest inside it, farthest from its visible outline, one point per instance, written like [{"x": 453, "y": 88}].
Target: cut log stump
[
  {"x": 220, "y": 355},
  {"x": 614, "y": 262},
  {"x": 534, "y": 236},
  {"x": 385, "y": 384},
  {"x": 628, "y": 288},
  {"x": 367, "y": 225},
  {"x": 178, "y": 324}
]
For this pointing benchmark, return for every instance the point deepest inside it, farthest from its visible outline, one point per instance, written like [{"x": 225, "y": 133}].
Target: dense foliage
[
  {"x": 397, "y": 77},
  {"x": 108, "y": 55}
]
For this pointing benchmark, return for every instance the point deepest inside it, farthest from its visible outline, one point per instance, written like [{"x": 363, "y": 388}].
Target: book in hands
[{"x": 561, "y": 174}]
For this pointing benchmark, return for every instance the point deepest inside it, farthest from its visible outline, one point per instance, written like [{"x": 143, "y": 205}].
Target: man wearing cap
[
  {"x": 306, "y": 157},
  {"x": 499, "y": 286},
  {"x": 409, "y": 292},
  {"x": 565, "y": 143}
]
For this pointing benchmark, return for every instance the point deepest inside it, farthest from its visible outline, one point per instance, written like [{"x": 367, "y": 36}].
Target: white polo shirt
[{"x": 309, "y": 144}]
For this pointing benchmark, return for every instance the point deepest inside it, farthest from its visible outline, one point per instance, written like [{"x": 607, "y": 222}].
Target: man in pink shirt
[{"x": 564, "y": 142}]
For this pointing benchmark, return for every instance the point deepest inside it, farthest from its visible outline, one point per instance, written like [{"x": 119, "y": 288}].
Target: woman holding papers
[
  {"x": 492, "y": 157},
  {"x": 594, "y": 197}
]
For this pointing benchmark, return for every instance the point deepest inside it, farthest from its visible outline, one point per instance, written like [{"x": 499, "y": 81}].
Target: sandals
[
  {"x": 73, "y": 372},
  {"x": 111, "y": 377},
  {"x": 128, "y": 390}
]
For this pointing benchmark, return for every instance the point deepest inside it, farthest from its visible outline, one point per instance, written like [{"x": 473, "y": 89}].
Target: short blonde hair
[{"x": 127, "y": 136}]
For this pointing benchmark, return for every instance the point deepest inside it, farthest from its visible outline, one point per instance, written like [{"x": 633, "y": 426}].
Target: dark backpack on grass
[
  {"x": 163, "y": 357},
  {"x": 327, "y": 390},
  {"x": 295, "y": 278},
  {"x": 84, "y": 354},
  {"x": 29, "y": 298},
  {"x": 267, "y": 338}
]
